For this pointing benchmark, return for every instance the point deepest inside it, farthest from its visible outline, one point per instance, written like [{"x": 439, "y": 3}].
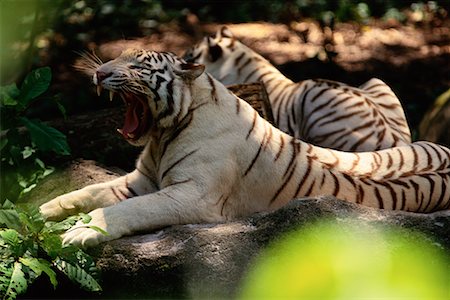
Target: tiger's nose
[{"x": 102, "y": 76}]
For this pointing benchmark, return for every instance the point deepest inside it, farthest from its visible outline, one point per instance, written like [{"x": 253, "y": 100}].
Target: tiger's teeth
[
  {"x": 120, "y": 131},
  {"x": 130, "y": 135},
  {"x": 99, "y": 90},
  {"x": 111, "y": 95}
]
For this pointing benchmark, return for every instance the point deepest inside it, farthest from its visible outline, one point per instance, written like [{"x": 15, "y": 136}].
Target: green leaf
[
  {"x": 36, "y": 83},
  {"x": 78, "y": 275},
  {"x": 98, "y": 229},
  {"x": 9, "y": 94},
  {"x": 46, "y": 138},
  {"x": 52, "y": 244},
  {"x": 31, "y": 216},
  {"x": 6, "y": 270},
  {"x": 3, "y": 143},
  {"x": 85, "y": 218},
  {"x": 10, "y": 236},
  {"x": 27, "y": 152},
  {"x": 7, "y": 205},
  {"x": 8, "y": 101},
  {"x": 10, "y": 218},
  {"x": 61, "y": 107},
  {"x": 40, "y": 265},
  {"x": 59, "y": 227},
  {"x": 17, "y": 283}
]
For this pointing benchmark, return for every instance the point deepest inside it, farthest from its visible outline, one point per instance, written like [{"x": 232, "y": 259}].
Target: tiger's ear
[
  {"x": 189, "y": 71},
  {"x": 225, "y": 32}
]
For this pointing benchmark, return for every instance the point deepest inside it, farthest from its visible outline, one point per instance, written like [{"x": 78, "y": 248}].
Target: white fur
[{"x": 210, "y": 185}]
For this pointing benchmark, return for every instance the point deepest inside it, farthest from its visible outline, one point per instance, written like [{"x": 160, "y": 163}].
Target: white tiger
[
  {"x": 325, "y": 113},
  {"x": 209, "y": 157}
]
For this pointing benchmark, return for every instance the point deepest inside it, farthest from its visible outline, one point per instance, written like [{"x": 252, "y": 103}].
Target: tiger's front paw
[
  {"x": 82, "y": 235},
  {"x": 65, "y": 205}
]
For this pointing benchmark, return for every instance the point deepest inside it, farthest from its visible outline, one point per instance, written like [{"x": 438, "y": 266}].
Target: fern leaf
[
  {"x": 17, "y": 283},
  {"x": 78, "y": 275},
  {"x": 38, "y": 266},
  {"x": 10, "y": 237}
]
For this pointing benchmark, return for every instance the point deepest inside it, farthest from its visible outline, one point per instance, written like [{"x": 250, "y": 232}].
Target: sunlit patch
[{"x": 337, "y": 261}]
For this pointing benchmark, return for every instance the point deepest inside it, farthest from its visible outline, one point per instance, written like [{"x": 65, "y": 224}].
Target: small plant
[
  {"x": 21, "y": 166},
  {"x": 30, "y": 247}
]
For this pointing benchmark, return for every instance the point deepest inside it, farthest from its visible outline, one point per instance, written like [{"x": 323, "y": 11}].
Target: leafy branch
[
  {"x": 30, "y": 247},
  {"x": 21, "y": 165}
]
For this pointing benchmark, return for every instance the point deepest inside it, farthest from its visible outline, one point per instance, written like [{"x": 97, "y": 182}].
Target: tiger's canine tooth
[
  {"x": 130, "y": 135},
  {"x": 120, "y": 131},
  {"x": 111, "y": 95},
  {"x": 99, "y": 90}
]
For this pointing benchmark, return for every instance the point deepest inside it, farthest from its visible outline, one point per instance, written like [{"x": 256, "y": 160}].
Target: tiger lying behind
[
  {"x": 325, "y": 113},
  {"x": 209, "y": 157}
]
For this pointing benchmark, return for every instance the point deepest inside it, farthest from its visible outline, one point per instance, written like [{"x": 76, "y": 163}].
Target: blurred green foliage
[
  {"x": 29, "y": 28},
  {"x": 334, "y": 260},
  {"x": 21, "y": 153},
  {"x": 284, "y": 11},
  {"x": 22, "y": 23}
]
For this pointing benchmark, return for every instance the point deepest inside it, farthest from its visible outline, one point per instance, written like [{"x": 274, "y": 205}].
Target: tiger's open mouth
[{"x": 137, "y": 117}]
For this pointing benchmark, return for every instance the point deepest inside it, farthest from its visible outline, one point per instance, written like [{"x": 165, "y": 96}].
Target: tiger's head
[
  {"x": 150, "y": 84},
  {"x": 220, "y": 54}
]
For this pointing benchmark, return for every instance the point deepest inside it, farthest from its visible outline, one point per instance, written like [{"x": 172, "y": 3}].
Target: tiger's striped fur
[
  {"x": 325, "y": 113},
  {"x": 209, "y": 157}
]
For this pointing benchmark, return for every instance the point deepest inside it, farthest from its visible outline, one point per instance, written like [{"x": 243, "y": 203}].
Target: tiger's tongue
[{"x": 131, "y": 119}]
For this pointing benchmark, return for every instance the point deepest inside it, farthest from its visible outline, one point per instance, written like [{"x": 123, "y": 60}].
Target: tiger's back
[{"x": 323, "y": 112}]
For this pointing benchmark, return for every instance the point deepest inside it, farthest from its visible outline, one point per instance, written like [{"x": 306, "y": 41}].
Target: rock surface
[{"x": 209, "y": 260}]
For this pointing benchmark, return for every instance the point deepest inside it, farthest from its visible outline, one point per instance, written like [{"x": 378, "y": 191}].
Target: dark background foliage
[{"x": 38, "y": 33}]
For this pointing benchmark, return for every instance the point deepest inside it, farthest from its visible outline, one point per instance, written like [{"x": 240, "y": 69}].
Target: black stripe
[
  {"x": 336, "y": 184},
  {"x": 238, "y": 59},
  {"x": 255, "y": 115},
  {"x": 223, "y": 204},
  {"x": 360, "y": 142},
  {"x": 178, "y": 182},
  {"x": 170, "y": 101},
  {"x": 379, "y": 198},
  {"x": 316, "y": 96},
  {"x": 184, "y": 123},
  {"x": 443, "y": 191},
  {"x": 254, "y": 158},
  {"x": 177, "y": 162},
  {"x": 360, "y": 195},
  {"x": 213, "y": 87},
  {"x": 295, "y": 151},
  {"x": 432, "y": 185},
  {"x": 286, "y": 181},
  {"x": 305, "y": 176},
  {"x": 339, "y": 118},
  {"x": 239, "y": 70},
  {"x": 277, "y": 156},
  {"x": 250, "y": 75}
]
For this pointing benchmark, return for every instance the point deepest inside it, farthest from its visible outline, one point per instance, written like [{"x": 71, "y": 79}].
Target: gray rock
[{"x": 209, "y": 260}]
